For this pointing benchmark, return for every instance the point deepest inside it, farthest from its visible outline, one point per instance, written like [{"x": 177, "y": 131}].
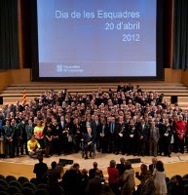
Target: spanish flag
[{"x": 24, "y": 97}]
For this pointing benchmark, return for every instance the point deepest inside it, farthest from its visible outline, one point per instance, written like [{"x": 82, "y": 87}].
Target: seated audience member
[
  {"x": 33, "y": 147},
  {"x": 178, "y": 188},
  {"x": 40, "y": 169}
]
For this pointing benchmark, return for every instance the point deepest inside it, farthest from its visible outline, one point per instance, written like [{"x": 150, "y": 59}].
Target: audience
[{"x": 178, "y": 188}]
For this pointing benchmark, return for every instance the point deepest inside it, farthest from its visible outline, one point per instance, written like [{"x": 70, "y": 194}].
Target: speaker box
[
  {"x": 64, "y": 162},
  {"x": 1, "y": 100},
  {"x": 134, "y": 160},
  {"x": 2, "y": 156},
  {"x": 174, "y": 99}
]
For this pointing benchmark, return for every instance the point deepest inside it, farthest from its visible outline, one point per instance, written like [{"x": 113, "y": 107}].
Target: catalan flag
[{"x": 24, "y": 97}]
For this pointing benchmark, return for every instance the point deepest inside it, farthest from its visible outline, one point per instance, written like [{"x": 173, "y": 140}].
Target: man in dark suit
[
  {"x": 88, "y": 143},
  {"x": 152, "y": 166},
  {"x": 40, "y": 169},
  {"x": 112, "y": 135},
  {"x": 95, "y": 185},
  {"x": 142, "y": 136},
  {"x": 95, "y": 123},
  {"x": 121, "y": 167},
  {"x": 103, "y": 136}
]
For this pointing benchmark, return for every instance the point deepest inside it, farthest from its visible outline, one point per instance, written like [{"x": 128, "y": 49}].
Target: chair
[
  {"x": 3, "y": 193},
  {"x": 185, "y": 181},
  {"x": 186, "y": 189},
  {"x": 2, "y": 176},
  {"x": 11, "y": 190},
  {"x": 28, "y": 191},
  {"x": 41, "y": 192},
  {"x": 4, "y": 183},
  {"x": 170, "y": 186},
  {"x": 87, "y": 149},
  {"x": 10, "y": 178},
  {"x": 42, "y": 186},
  {"x": 185, "y": 176},
  {"x": 23, "y": 180},
  {"x": 2, "y": 188},
  {"x": 34, "y": 181},
  {"x": 29, "y": 185},
  {"x": 16, "y": 183}
]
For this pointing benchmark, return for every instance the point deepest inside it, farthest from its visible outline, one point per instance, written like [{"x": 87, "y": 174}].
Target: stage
[{"x": 23, "y": 166}]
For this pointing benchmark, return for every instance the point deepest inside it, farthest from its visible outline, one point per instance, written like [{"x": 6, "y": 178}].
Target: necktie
[
  {"x": 103, "y": 129},
  {"x": 112, "y": 128}
]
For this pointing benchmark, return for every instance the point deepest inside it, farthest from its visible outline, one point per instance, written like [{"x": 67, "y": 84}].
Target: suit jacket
[
  {"x": 87, "y": 138},
  {"x": 40, "y": 169},
  {"x": 151, "y": 168},
  {"x": 143, "y": 131},
  {"x": 154, "y": 134},
  {"x": 103, "y": 129},
  {"x": 95, "y": 128}
]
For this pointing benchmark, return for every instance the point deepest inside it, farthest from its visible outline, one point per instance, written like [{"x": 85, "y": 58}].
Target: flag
[{"x": 24, "y": 97}]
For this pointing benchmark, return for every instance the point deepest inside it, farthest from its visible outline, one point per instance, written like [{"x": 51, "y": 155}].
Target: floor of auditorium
[{"x": 23, "y": 166}]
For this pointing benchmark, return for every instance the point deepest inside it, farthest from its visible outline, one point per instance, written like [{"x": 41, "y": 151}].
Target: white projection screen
[{"x": 98, "y": 39}]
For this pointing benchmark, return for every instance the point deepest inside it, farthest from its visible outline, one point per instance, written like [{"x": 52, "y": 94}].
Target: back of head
[
  {"x": 95, "y": 165},
  {"x": 112, "y": 163},
  {"x": 128, "y": 165},
  {"x": 40, "y": 158},
  {"x": 122, "y": 160},
  {"x": 53, "y": 164},
  {"x": 160, "y": 166}
]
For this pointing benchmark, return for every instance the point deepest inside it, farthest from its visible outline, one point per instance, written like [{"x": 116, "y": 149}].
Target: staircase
[{"x": 34, "y": 89}]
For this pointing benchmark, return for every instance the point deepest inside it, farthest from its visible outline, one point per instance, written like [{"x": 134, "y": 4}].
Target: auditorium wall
[
  {"x": 24, "y": 76},
  {"x": 9, "y": 77}
]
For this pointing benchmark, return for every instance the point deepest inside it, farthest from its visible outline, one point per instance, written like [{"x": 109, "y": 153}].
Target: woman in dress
[{"x": 160, "y": 179}]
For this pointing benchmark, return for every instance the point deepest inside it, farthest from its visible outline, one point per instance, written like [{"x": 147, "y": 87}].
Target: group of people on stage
[{"x": 128, "y": 121}]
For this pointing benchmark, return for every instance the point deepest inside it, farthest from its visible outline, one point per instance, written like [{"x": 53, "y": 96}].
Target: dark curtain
[
  {"x": 180, "y": 34},
  {"x": 9, "y": 51}
]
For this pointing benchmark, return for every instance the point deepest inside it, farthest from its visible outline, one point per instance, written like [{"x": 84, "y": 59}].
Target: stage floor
[{"x": 23, "y": 166}]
